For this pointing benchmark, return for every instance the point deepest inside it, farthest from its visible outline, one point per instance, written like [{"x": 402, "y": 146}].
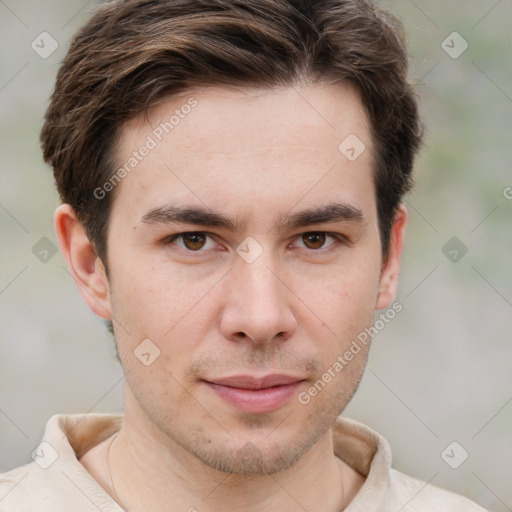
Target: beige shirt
[{"x": 57, "y": 482}]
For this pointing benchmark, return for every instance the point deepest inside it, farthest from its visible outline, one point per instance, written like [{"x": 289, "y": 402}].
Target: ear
[
  {"x": 388, "y": 284},
  {"x": 85, "y": 266}
]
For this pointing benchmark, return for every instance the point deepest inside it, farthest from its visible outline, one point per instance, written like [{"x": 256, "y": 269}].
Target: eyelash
[{"x": 339, "y": 240}]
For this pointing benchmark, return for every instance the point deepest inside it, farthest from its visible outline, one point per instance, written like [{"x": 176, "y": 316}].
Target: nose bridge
[{"x": 258, "y": 282}]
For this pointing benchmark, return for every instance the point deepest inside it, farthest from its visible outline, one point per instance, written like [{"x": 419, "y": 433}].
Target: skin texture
[{"x": 253, "y": 156}]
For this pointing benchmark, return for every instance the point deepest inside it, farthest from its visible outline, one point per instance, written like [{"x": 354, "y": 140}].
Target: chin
[
  {"x": 250, "y": 452},
  {"x": 250, "y": 460}
]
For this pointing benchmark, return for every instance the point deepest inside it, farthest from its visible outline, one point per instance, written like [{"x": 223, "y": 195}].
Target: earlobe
[
  {"x": 83, "y": 263},
  {"x": 391, "y": 268}
]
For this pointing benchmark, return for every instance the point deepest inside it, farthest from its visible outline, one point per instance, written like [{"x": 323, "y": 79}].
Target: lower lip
[{"x": 256, "y": 400}]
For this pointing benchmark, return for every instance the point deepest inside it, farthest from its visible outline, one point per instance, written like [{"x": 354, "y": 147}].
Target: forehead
[
  {"x": 323, "y": 108},
  {"x": 227, "y": 148}
]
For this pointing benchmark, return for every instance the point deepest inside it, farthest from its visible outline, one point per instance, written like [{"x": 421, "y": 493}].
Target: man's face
[{"x": 232, "y": 307}]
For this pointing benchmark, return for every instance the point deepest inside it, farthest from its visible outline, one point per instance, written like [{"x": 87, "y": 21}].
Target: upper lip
[{"x": 251, "y": 382}]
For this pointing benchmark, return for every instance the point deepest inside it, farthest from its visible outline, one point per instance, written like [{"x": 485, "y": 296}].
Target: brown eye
[
  {"x": 194, "y": 241},
  {"x": 191, "y": 241},
  {"x": 314, "y": 240}
]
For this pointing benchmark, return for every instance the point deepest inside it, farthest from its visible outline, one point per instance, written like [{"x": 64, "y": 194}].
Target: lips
[
  {"x": 255, "y": 394},
  {"x": 249, "y": 382}
]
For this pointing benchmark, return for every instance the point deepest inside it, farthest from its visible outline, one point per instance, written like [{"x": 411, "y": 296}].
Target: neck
[{"x": 151, "y": 472}]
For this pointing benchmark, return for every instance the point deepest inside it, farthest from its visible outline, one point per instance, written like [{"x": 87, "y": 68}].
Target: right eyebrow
[{"x": 188, "y": 215}]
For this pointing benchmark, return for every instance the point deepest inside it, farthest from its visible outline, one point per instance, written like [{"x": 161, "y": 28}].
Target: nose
[{"x": 258, "y": 304}]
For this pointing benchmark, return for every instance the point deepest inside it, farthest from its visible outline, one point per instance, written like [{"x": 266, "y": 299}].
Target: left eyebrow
[
  {"x": 199, "y": 216},
  {"x": 333, "y": 212}
]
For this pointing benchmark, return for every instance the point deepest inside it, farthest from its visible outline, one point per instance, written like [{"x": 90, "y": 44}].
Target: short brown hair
[{"x": 134, "y": 53}]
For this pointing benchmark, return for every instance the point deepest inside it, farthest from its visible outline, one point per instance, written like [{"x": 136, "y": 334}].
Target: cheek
[
  {"x": 169, "y": 307},
  {"x": 155, "y": 294},
  {"x": 344, "y": 300},
  {"x": 344, "y": 297}
]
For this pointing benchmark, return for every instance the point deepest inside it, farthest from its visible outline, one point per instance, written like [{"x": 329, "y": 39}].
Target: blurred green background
[{"x": 440, "y": 372}]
